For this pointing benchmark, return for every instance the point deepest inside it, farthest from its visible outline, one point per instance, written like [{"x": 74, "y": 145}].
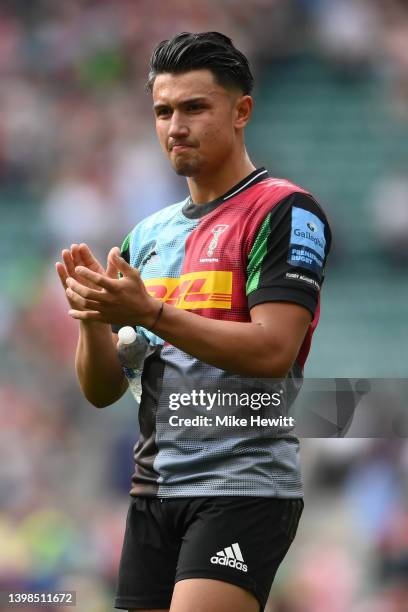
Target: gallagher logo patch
[{"x": 307, "y": 242}]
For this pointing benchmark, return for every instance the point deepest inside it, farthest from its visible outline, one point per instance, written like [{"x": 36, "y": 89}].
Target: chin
[{"x": 186, "y": 169}]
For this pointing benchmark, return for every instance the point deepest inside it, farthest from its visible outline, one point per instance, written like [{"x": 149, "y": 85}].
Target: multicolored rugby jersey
[{"x": 265, "y": 240}]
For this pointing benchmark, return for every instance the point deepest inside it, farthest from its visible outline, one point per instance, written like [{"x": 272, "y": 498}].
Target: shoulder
[
  {"x": 142, "y": 238},
  {"x": 285, "y": 206},
  {"x": 282, "y": 192},
  {"x": 151, "y": 226},
  {"x": 160, "y": 218}
]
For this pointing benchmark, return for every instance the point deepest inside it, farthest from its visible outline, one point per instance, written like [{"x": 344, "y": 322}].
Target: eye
[
  {"x": 163, "y": 111},
  {"x": 195, "y": 106}
]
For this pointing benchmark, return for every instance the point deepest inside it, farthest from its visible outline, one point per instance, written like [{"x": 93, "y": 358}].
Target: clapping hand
[
  {"x": 96, "y": 295},
  {"x": 81, "y": 255}
]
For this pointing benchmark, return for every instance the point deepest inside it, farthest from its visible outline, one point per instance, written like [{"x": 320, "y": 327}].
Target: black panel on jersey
[
  {"x": 145, "y": 477},
  {"x": 280, "y": 281}
]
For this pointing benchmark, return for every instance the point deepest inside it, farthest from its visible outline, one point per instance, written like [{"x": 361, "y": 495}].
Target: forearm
[
  {"x": 98, "y": 368},
  {"x": 266, "y": 347},
  {"x": 247, "y": 349}
]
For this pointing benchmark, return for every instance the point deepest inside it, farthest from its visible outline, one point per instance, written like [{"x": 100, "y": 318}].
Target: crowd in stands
[{"x": 79, "y": 162}]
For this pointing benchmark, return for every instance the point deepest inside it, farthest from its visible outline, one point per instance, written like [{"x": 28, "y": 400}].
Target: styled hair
[{"x": 210, "y": 50}]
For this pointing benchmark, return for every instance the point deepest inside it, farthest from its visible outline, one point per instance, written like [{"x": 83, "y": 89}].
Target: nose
[{"x": 178, "y": 128}]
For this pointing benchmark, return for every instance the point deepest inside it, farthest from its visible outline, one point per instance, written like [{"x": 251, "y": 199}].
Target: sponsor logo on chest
[{"x": 206, "y": 289}]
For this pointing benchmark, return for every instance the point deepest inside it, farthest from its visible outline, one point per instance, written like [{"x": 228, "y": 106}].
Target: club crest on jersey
[{"x": 216, "y": 231}]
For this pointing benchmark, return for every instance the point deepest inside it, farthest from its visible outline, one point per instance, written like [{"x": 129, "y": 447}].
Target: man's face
[{"x": 195, "y": 121}]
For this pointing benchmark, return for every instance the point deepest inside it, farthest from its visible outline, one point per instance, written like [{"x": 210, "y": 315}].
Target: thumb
[
  {"x": 112, "y": 269},
  {"x": 124, "y": 268}
]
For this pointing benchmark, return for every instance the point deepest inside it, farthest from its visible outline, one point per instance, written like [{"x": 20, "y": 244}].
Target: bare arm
[
  {"x": 97, "y": 365},
  {"x": 265, "y": 347}
]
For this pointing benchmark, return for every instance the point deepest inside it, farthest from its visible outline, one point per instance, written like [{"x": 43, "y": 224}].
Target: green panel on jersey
[
  {"x": 124, "y": 249},
  {"x": 256, "y": 256}
]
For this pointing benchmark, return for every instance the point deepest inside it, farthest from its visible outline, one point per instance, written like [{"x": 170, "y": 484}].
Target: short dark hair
[{"x": 210, "y": 50}]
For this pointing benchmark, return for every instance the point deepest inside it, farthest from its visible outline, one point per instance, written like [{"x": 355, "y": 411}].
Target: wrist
[
  {"x": 154, "y": 315},
  {"x": 87, "y": 326}
]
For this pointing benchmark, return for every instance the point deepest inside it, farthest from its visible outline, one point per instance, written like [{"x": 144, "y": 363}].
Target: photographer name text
[{"x": 231, "y": 421}]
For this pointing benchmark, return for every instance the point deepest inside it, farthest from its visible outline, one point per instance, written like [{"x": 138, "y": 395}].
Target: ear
[{"x": 243, "y": 111}]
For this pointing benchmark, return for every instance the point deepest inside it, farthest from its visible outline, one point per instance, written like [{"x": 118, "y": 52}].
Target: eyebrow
[{"x": 196, "y": 99}]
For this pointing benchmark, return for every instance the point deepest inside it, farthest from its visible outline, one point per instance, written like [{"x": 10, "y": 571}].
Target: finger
[
  {"x": 124, "y": 267},
  {"x": 76, "y": 255},
  {"x": 79, "y": 301},
  {"x": 88, "y": 259},
  {"x": 112, "y": 270},
  {"x": 86, "y": 315},
  {"x": 100, "y": 280},
  {"x": 97, "y": 295},
  {"x": 68, "y": 261},
  {"x": 62, "y": 273}
]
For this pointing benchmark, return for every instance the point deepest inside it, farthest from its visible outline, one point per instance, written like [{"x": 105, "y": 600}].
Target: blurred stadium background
[{"x": 79, "y": 162}]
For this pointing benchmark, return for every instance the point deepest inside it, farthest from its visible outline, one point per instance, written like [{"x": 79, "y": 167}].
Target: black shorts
[{"x": 241, "y": 540}]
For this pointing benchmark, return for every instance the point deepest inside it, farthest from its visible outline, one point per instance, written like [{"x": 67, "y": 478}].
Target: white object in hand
[
  {"x": 132, "y": 348},
  {"x": 127, "y": 335}
]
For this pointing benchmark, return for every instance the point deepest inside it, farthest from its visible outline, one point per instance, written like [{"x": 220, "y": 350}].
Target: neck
[{"x": 207, "y": 188}]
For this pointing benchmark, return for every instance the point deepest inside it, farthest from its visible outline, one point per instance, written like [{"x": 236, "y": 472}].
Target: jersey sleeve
[
  {"x": 125, "y": 253},
  {"x": 288, "y": 256}
]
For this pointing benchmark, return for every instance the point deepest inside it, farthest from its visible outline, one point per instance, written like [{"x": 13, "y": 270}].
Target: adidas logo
[{"x": 230, "y": 556}]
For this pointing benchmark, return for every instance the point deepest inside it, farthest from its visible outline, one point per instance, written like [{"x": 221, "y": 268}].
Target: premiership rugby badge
[
  {"x": 216, "y": 231},
  {"x": 307, "y": 247}
]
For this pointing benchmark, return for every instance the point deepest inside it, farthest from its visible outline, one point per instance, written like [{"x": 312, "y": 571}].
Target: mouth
[{"x": 180, "y": 147}]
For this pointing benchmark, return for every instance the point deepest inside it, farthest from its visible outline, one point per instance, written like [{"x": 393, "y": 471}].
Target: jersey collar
[{"x": 195, "y": 211}]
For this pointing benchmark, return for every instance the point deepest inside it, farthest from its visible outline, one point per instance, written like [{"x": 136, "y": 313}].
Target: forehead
[{"x": 193, "y": 84}]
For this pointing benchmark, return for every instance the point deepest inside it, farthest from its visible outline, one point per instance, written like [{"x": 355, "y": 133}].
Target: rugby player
[{"x": 225, "y": 286}]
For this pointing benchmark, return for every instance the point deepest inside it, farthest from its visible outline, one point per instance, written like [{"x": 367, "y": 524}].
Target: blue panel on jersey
[
  {"x": 307, "y": 242},
  {"x": 157, "y": 248}
]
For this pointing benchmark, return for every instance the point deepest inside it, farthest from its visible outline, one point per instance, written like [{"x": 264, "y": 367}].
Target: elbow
[
  {"x": 274, "y": 364},
  {"x": 265, "y": 369},
  {"x": 275, "y": 370},
  {"x": 102, "y": 396},
  {"x": 98, "y": 403},
  {"x": 103, "y": 400}
]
